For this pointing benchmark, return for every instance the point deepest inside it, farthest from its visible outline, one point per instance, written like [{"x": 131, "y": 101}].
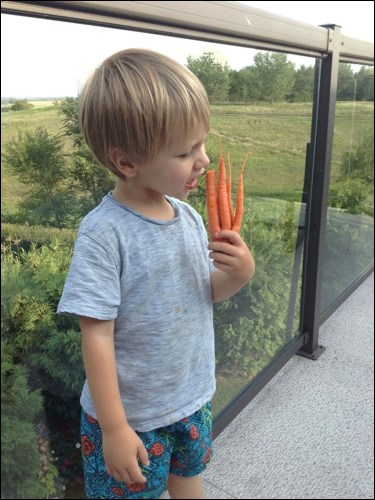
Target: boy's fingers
[
  {"x": 143, "y": 457},
  {"x": 229, "y": 235},
  {"x": 136, "y": 476},
  {"x": 227, "y": 245}
]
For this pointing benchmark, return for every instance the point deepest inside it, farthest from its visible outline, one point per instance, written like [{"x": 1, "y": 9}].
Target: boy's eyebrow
[
  {"x": 201, "y": 141},
  {"x": 198, "y": 143}
]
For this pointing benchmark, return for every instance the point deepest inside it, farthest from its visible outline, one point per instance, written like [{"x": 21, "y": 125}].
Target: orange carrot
[
  {"x": 229, "y": 190},
  {"x": 222, "y": 197},
  {"x": 211, "y": 200},
  {"x": 219, "y": 201},
  {"x": 240, "y": 201}
]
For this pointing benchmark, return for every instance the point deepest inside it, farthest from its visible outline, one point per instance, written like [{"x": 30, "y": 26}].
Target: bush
[
  {"x": 20, "y": 461},
  {"x": 354, "y": 191},
  {"x": 359, "y": 163},
  {"x": 352, "y": 195},
  {"x": 21, "y": 105},
  {"x": 47, "y": 344},
  {"x": 20, "y": 236}
]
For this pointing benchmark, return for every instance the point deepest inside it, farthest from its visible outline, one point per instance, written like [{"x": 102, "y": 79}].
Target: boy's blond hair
[{"x": 140, "y": 101}]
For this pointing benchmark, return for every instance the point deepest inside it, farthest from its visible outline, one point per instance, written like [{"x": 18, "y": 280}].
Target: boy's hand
[
  {"x": 123, "y": 450},
  {"x": 234, "y": 263},
  {"x": 231, "y": 255}
]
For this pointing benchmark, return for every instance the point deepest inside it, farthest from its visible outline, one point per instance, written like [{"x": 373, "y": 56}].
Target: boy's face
[{"x": 174, "y": 171}]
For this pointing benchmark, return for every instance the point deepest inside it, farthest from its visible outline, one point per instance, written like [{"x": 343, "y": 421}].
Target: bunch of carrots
[{"x": 220, "y": 211}]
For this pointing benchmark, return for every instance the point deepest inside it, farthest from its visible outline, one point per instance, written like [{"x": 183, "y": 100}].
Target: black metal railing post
[{"x": 321, "y": 141}]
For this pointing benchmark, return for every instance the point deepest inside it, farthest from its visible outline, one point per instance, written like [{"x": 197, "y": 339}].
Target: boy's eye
[{"x": 185, "y": 155}]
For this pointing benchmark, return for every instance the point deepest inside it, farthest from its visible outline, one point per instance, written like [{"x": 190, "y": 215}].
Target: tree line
[{"x": 272, "y": 78}]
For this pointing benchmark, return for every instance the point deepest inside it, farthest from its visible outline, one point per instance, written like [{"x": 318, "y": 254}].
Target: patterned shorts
[{"x": 183, "y": 448}]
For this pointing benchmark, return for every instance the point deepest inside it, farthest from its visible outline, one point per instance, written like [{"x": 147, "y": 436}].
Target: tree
[
  {"x": 365, "y": 84},
  {"x": 68, "y": 108},
  {"x": 275, "y": 76},
  {"x": 355, "y": 86},
  {"x": 346, "y": 85},
  {"x": 303, "y": 88},
  {"x": 213, "y": 75},
  {"x": 36, "y": 159},
  {"x": 89, "y": 177},
  {"x": 243, "y": 85}
]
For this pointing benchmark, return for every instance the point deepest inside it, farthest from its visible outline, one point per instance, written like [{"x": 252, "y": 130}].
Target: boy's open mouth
[{"x": 192, "y": 184}]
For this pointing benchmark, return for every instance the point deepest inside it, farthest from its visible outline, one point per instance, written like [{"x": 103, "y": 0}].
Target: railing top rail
[{"x": 218, "y": 21}]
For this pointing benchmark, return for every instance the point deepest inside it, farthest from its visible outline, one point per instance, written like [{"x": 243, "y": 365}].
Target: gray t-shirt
[{"x": 153, "y": 278}]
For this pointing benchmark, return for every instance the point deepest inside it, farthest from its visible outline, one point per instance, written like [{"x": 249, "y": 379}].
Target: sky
[{"x": 42, "y": 58}]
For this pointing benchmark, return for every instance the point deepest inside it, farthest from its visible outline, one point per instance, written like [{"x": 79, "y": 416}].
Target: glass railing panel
[
  {"x": 261, "y": 107},
  {"x": 349, "y": 238},
  {"x": 258, "y": 322}
]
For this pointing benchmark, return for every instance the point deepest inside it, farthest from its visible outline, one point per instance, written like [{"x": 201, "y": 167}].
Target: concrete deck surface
[{"x": 310, "y": 432}]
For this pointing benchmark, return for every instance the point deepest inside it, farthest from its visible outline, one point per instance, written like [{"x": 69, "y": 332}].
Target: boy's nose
[{"x": 203, "y": 162}]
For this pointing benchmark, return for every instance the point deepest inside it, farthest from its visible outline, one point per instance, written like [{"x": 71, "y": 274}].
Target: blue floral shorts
[{"x": 183, "y": 448}]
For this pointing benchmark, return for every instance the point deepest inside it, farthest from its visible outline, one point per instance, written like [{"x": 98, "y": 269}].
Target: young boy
[{"x": 143, "y": 279}]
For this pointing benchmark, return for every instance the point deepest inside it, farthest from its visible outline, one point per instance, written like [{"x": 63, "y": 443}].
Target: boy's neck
[{"x": 152, "y": 205}]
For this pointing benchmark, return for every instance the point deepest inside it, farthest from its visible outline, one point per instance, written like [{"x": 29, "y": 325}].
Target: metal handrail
[{"x": 218, "y": 21}]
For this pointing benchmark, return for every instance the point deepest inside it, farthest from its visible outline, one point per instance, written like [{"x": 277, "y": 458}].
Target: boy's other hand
[{"x": 123, "y": 451}]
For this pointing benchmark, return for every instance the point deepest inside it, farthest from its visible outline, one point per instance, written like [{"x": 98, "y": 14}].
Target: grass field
[{"x": 275, "y": 136}]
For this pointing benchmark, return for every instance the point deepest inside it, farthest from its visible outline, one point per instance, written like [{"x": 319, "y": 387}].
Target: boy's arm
[
  {"x": 234, "y": 265},
  {"x": 122, "y": 448}
]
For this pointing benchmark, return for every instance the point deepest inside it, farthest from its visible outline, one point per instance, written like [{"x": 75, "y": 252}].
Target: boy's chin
[{"x": 181, "y": 195}]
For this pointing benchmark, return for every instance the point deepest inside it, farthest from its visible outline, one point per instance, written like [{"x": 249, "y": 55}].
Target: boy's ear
[{"x": 120, "y": 161}]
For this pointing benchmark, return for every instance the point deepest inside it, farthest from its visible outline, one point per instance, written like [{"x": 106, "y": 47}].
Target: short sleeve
[{"x": 92, "y": 286}]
